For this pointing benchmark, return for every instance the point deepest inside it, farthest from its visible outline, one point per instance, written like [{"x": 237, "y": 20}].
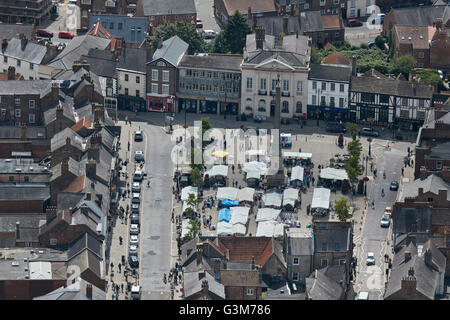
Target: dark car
[
  {"x": 134, "y": 218},
  {"x": 369, "y": 132},
  {"x": 138, "y": 135},
  {"x": 134, "y": 261},
  {"x": 44, "y": 33},
  {"x": 336, "y": 128},
  {"x": 65, "y": 35},
  {"x": 394, "y": 186},
  {"x": 354, "y": 23}
]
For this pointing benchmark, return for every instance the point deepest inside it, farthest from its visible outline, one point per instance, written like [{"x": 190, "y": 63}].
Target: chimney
[
  {"x": 93, "y": 153},
  {"x": 68, "y": 141},
  {"x": 84, "y": 209},
  {"x": 353, "y": 66},
  {"x": 4, "y": 44},
  {"x": 414, "y": 85},
  {"x": 411, "y": 272},
  {"x": 260, "y": 36},
  {"x": 407, "y": 256},
  {"x": 91, "y": 169},
  {"x": 409, "y": 285},
  {"x": 285, "y": 24},
  {"x": 55, "y": 91},
  {"x": 296, "y": 34},
  {"x": 88, "y": 196},
  {"x": 99, "y": 114},
  {"x": 442, "y": 195},
  {"x": 88, "y": 290},
  {"x": 59, "y": 111},
  {"x": 438, "y": 23},
  {"x": 17, "y": 230},
  {"x": 70, "y": 212},
  {"x": 428, "y": 258},
  {"x": 253, "y": 262},
  {"x": 23, "y": 41},
  {"x": 11, "y": 73},
  {"x": 50, "y": 213},
  {"x": 64, "y": 167},
  {"x": 205, "y": 287},
  {"x": 199, "y": 252}
]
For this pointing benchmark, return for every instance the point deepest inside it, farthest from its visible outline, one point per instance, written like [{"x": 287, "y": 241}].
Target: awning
[
  {"x": 225, "y": 215},
  {"x": 227, "y": 193},
  {"x": 321, "y": 198},
  {"x": 290, "y": 195},
  {"x": 272, "y": 199},
  {"x": 188, "y": 190},
  {"x": 229, "y": 203},
  {"x": 239, "y": 215},
  {"x": 219, "y": 154},
  {"x": 217, "y": 170},
  {"x": 267, "y": 214},
  {"x": 239, "y": 229},
  {"x": 297, "y": 155},
  {"x": 259, "y": 166},
  {"x": 297, "y": 173},
  {"x": 334, "y": 174},
  {"x": 246, "y": 194},
  {"x": 224, "y": 229},
  {"x": 253, "y": 175}
]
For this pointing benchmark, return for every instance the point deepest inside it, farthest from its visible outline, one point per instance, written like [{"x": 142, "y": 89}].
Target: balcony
[
  {"x": 262, "y": 92},
  {"x": 273, "y": 93},
  {"x": 285, "y": 93}
]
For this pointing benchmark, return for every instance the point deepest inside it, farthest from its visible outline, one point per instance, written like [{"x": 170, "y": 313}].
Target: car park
[
  {"x": 134, "y": 218},
  {"x": 385, "y": 221},
  {"x": 44, "y": 33},
  {"x": 136, "y": 187},
  {"x": 370, "y": 260},
  {"x": 135, "y": 207},
  {"x": 369, "y": 132},
  {"x": 65, "y": 35},
  {"x": 134, "y": 239},
  {"x": 134, "y": 261},
  {"x": 136, "y": 198},
  {"x": 133, "y": 250},
  {"x": 336, "y": 128},
  {"x": 138, "y": 135},
  {"x": 139, "y": 156},
  {"x": 354, "y": 23},
  {"x": 134, "y": 229},
  {"x": 393, "y": 186}
]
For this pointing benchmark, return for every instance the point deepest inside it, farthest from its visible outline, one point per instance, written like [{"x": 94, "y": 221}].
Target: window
[
  {"x": 31, "y": 104},
  {"x": 420, "y": 65},
  {"x": 84, "y": 13},
  {"x": 336, "y": 1},
  {"x": 5, "y": 59},
  {"x": 165, "y": 89},
  {"x": 430, "y": 199},
  {"x": 298, "y": 108},
  {"x": 322, "y": 2},
  {"x": 306, "y": 6},
  {"x": 249, "y": 83},
  {"x": 352, "y": 4},
  {"x": 249, "y": 291},
  {"x": 404, "y": 101},
  {"x": 154, "y": 75},
  {"x": 421, "y": 103},
  {"x": 263, "y": 84},
  {"x": 53, "y": 241},
  {"x": 137, "y": 93},
  {"x": 314, "y": 85},
  {"x": 285, "y": 107},
  {"x": 331, "y": 101},
  {"x": 11, "y": 178},
  {"x": 404, "y": 113},
  {"x": 421, "y": 55},
  {"x": 367, "y": 3},
  {"x": 439, "y": 165},
  {"x": 324, "y": 262},
  {"x": 342, "y": 262},
  {"x": 126, "y": 91},
  {"x": 420, "y": 115},
  {"x": 324, "y": 246},
  {"x": 384, "y": 98},
  {"x": 322, "y": 101},
  {"x": 17, "y": 101},
  {"x": 138, "y": 79},
  {"x": 31, "y": 66},
  {"x": 165, "y": 75},
  {"x": 119, "y": 25},
  {"x": 313, "y": 99},
  {"x": 18, "y": 113},
  {"x": 274, "y": 84},
  {"x": 18, "y": 63},
  {"x": 332, "y": 86},
  {"x": 209, "y": 74},
  {"x": 27, "y": 179},
  {"x": 337, "y": 246},
  {"x": 337, "y": 34},
  {"x": 248, "y": 104},
  {"x": 31, "y": 118},
  {"x": 368, "y": 97},
  {"x": 294, "y": 276},
  {"x": 341, "y": 88},
  {"x": 285, "y": 85},
  {"x": 295, "y": 261},
  {"x": 154, "y": 88},
  {"x": 324, "y": 86},
  {"x": 262, "y": 105},
  {"x": 3, "y": 112},
  {"x": 341, "y": 102},
  {"x": 299, "y": 87},
  {"x": 126, "y": 77}
]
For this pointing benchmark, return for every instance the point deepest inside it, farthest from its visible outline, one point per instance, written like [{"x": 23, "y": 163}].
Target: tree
[
  {"x": 186, "y": 31},
  {"x": 354, "y": 148},
  {"x": 233, "y": 37},
  {"x": 342, "y": 209},
  {"x": 194, "y": 227},
  {"x": 352, "y": 166},
  {"x": 380, "y": 41},
  {"x": 403, "y": 65},
  {"x": 430, "y": 76},
  {"x": 353, "y": 129},
  {"x": 315, "y": 58},
  {"x": 206, "y": 125},
  {"x": 196, "y": 177},
  {"x": 192, "y": 203}
]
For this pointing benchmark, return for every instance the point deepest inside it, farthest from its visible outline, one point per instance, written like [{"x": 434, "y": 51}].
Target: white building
[
  {"x": 359, "y": 8},
  {"x": 265, "y": 62},
  {"x": 328, "y": 87}
]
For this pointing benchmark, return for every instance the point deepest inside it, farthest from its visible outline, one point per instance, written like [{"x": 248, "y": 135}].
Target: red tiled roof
[
  {"x": 331, "y": 21},
  {"x": 77, "y": 185},
  {"x": 242, "y": 249},
  {"x": 82, "y": 123},
  {"x": 99, "y": 31},
  {"x": 336, "y": 58}
]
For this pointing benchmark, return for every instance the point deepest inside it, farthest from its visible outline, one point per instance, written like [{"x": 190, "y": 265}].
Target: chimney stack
[
  {"x": 428, "y": 257},
  {"x": 260, "y": 36},
  {"x": 23, "y": 132},
  {"x": 160, "y": 43},
  {"x": 438, "y": 23},
  {"x": 59, "y": 111},
  {"x": 199, "y": 252},
  {"x": 91, "y": 169},
  {"x": 292, "y": 9},
  {"x": 55, "y": 91},
  {"x": 88, "y": 196},
  {"x": 50, "y": 213},
  {"x": 23, "y": 41},
  {"x": 99, "y": 114},
  {"x": 84, "y": 209},
  {"x": 17, "y": 230},
  {"x": 407, "y": 256},
  {"x": 11, "y": 73},
  {"x": 205, "y": 287},
  {"x": 353, "y": 66},
  {"x": 88, "y": 290},
  {"x": 93, "y": 153},
  {"x": 411, "y": 272},
  {"x": 420, "y": 190},
  {"x": 253, "y": 262},
  {"x": 64, "y": 167}
]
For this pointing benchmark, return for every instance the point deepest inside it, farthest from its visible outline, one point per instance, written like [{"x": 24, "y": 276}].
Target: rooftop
[
  {"x": 31, "y": 52},
  {"x": 133, "y": 59},
  {"x": 328, "y": 72},
  {"x": 20, "y": 87},
  {"x": 432, "y": 183},
  {"x": 172, "y": 50},
  {"x": 23, "y": 165},
  {"x": 162, "y": 7},
  {"x": 421, "y": 16},
  {"x": 243, "y": 5},
  {"x": 212, "y": 61},
  {"x": 24, "y": 191},
  {"x": 74, "y": 291},
  {"x": 418, "y": 36}
]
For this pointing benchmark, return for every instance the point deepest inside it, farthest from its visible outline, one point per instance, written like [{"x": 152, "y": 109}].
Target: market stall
[
  {"x": 228, "y": 193},
  {"x": 296, "y": 158},
  {"x": 224, "y": 229},
  {"x": 297, "y": 176},
  {"x": 246, "y": 195},
  {"x": 189, "y": 190},
  {"x": 239, "y": 215},
  {"x": 267, "y": 214},
  {"x": 257, "y": 166},
  {"x": 273, "y": 199},
  {"x": 216, "y": 175},
  {"x": 290, "y": 198},
  {"x": 334, "y": 179},
  {"x": 226, "y": 203},
  {"x": 224, "y": 215},
  {"x": 253, "y": 178},
  {"x": 321, "y": 201}
]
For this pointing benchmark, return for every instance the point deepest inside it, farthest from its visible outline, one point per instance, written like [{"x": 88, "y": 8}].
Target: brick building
[
  {"x": 23, "y": 170},
  {"x": 440, "y": 47},
  {"x": 24, "y": 197},
  {"x": 32, "y": 12},
  {"x": 324, "y": 6},
  {"x": 99, "y": 6},
  {"x": 24, "y": 142},
  {"x": 223, "y": 9}
]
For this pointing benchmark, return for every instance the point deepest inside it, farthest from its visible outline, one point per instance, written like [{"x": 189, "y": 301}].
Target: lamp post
[{"x": 370, "y": 144}]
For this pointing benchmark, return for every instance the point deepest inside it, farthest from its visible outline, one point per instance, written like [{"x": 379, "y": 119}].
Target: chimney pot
[
  {"x": 89, "y": 291},
  {"x": 11, "y": 73}
]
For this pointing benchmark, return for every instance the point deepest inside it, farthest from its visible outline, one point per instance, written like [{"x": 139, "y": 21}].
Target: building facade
[
  {"x": 25, "y": 11},
  {"x": 359, "y": 8},
  {"x": 324, "y": 6},
  {"x": 130, "y": 29}
]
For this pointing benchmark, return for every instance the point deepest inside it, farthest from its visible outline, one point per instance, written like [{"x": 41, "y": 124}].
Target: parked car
[
  {"x": 134, "y": 218},
  {"x": 370, "y": 260},
  {"x": 138, "y": 175},
  {"x": 139, "y": 156},
  {"x": 138, "y": 135},
  {"x": 336, "y": 128},
  {"x": 134, "y": 261},
  {"x": 136, "y": 187},
  {"x": 133, "y": 250},
  {"x": 394, "y": 186},
  {"x": 354, "y": 23},
  {"x": 385, "y": 221},
  {"x": 134, "y": 240},
  {"x": 135, "y": 208},
  {"x": 199, "y": 23},
  {"x": 369, "y": 132},
  {"x": 210, "y": 34},
  {"x": 134, "y": 229},
  {"x": 136, "y": 197},
  {"x": 65, "y": 35},
  {"x": 44, "y": 33}
]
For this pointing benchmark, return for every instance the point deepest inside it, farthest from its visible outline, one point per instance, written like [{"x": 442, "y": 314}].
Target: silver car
[
  {"x": 139, "y": 155},
  {"x": 134, "y": 229},
  {"x": 370, "y": 260},
  {"x": 136, "y": 187},
  {"x": 134, "y": 240},
  {"x": 385, "y": 221}
]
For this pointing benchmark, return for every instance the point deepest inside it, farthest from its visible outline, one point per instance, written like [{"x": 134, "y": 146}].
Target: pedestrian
[
  {"x": 121, "y": 287},
  {"x": 112, "y": 266},
  {"x": 403, "y": 170},
  {"x": 120, "y": 240},
  {"x": 299, "y": 149},
  {"x": 412, "y": 163},
  {"x": 120, "y": 267}
]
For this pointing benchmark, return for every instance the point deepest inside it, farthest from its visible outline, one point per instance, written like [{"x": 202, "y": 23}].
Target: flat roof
[{"x": 22, "y": 166}]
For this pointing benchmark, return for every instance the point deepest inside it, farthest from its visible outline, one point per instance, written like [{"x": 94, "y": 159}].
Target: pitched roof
[
  {"x": 432, "y": 183},
  {"x": 335, "y": 240},
  {"x": 327, "y": 72},
  {"x": 50, "y": 114},
  {"x": 74, "y": 291},
  {"x": 237, "y": 278},
  {"x": 74, "y": 167},
  {"x": 82, "y": 123},
  {"x": 11, "y": 87},
  {"x": 133, "y": 59},
  {"x": 101, "y": 62},
  {"x": 322, "y": 286},
  {"x": 162, "y": 7},
  {"x": 212, "y": 61},
  {"x": 32, "y": 52},
  {"x": 99, "y": 31},
  {"x": 87, "y": 260},
  {"x": 314, "y": 21},
  {"x": 243, "y": 5},
  {"x": 242, "y": 249},
  {"x": 273, "y": 25},
  {"x": 300, "y": 246},
  {"x": 24, "y": 191},
  {"x": 193, "y": 284},
  {"x": 85, "y": 242},
  {"x": 11, "y": 30},
  {"x": 420, "y": 16},
  {"x": 60, "y": 139},
  {"x": 418, "y": 36},
  {"x": 172, "y": 50},
  {"x": 336, "y": 58}
]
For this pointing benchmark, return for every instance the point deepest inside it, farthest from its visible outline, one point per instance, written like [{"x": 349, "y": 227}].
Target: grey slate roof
[
  {"x": 394, "y": 87},
  {"x": 192, "y": 284},
  {"x": 403, "y": 219},
  {"x": 24, "y": 191},
  {"x": 300, "y": 246},
  {"x": 133, "y": 59},
  {"x": 327, "y": 72},
  {"x": 8, "y": 222},
  {"x": 432, "y": 183},
  {"x": 273, "y": 25},
  {"x": 10, "y": 87},
  {"x": 323, "y": 286},
  {"x": 337, "y": 240},
  {"x": 163, "y": 7},
  {"x": 87, "y": 260},
  {"x": 212, "y": 61},
  {"x": 85, "y": 242},
  {"x": 172, "y": 50},
  {"x": 101, "y": 62},
  {"x": 74, "y": 167},
  {"x": 32, "y": 52},
  {"x": 75, "y": 48},
  {"x": 441, "y": 151},
  {"x": 50, "y": 114},
  {"x": 74, "y": 291},
  {"x": 421, "y": 16},
  {"x": 13, "y": 132},
  {"x": 292, "y": 59},
  {"x": 11, "y": 30},
  {"x": 66, "y": 200},
  {"x": 76, "y": 140}
]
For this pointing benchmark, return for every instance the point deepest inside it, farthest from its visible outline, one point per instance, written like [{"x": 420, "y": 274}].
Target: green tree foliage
[
  {"x": 430, "y": 76},
  {"x": 315, "y": 57},
  {"x": 342, "y": 209},
  {"x": 232, "y": 38},
  {"x": 403, "y": 65},
  {"x": 186, "y": 31},
  {"x": 206, "y": 125},
  {"x": 352, "y": 128},
  {"x": 380, "y": 40},
  {"x": 353, "y": 166},
  {"x": 196, "y": 177},
  {"x": 194, "y": 227},
  {"x": 354, "y": 148}
]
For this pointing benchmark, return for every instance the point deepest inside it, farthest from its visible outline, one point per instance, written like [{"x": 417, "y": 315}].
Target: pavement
[{"x": 205, "y": 12}]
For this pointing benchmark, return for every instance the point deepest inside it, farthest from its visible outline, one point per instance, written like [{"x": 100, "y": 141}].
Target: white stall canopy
[
  {"x": 297, "y": 155},
  {"x": 253, "y": 175},
  {"x": 334, "y": 174},
  {"x": 228, "y": 193},
  {"x": 321, "y": 198},
  {"x": 267, "y": 214},
  {"x": 239, "y": 215},
  {"x": 297, "y": 173},
  {"x": 239, "y": 229},
  {"x": 188, "y": 190},
  {"x": 258, "y": 166},
  {"x": 246, "y": 194},
  {"x": 272, "y": 199},
  {"x": 218, "y": 170},
  {"x": 224, "y": 229},
  {"x": 266, "y": 229},
  {"x": 290, "y": 195}
]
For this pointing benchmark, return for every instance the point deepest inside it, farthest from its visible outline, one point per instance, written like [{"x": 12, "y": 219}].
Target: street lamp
[{"x": 370, "y": 143}]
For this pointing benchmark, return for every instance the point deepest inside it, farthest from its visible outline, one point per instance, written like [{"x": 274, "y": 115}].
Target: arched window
[
  {"x": 262, "y": 105},
  {"x": 298, "y": 108},
  {"x": 285, "y": 107},
  {"x": 249, "y": 104}
]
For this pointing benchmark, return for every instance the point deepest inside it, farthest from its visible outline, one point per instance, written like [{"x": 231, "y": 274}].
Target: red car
[
  {"x": 44, "y": 33},
  {"x": 65, "y": 35},
  {"x": 354, "y": 23}
]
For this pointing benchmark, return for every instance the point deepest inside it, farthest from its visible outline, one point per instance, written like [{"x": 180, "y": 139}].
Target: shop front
[
  {"x": 161, "y": 104},
  {"x": 207, "y": 106},
  {"x": 327, "y": 113},
  {"x": 190, "y": 105},
  {"x": 230, "y": 108}
]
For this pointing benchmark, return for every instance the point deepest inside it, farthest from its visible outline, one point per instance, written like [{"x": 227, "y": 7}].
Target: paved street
[
  {"x": 68, "y": 20},
  {"x": 363, "y": 34},
  {"x": 205, "y": 12}
]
